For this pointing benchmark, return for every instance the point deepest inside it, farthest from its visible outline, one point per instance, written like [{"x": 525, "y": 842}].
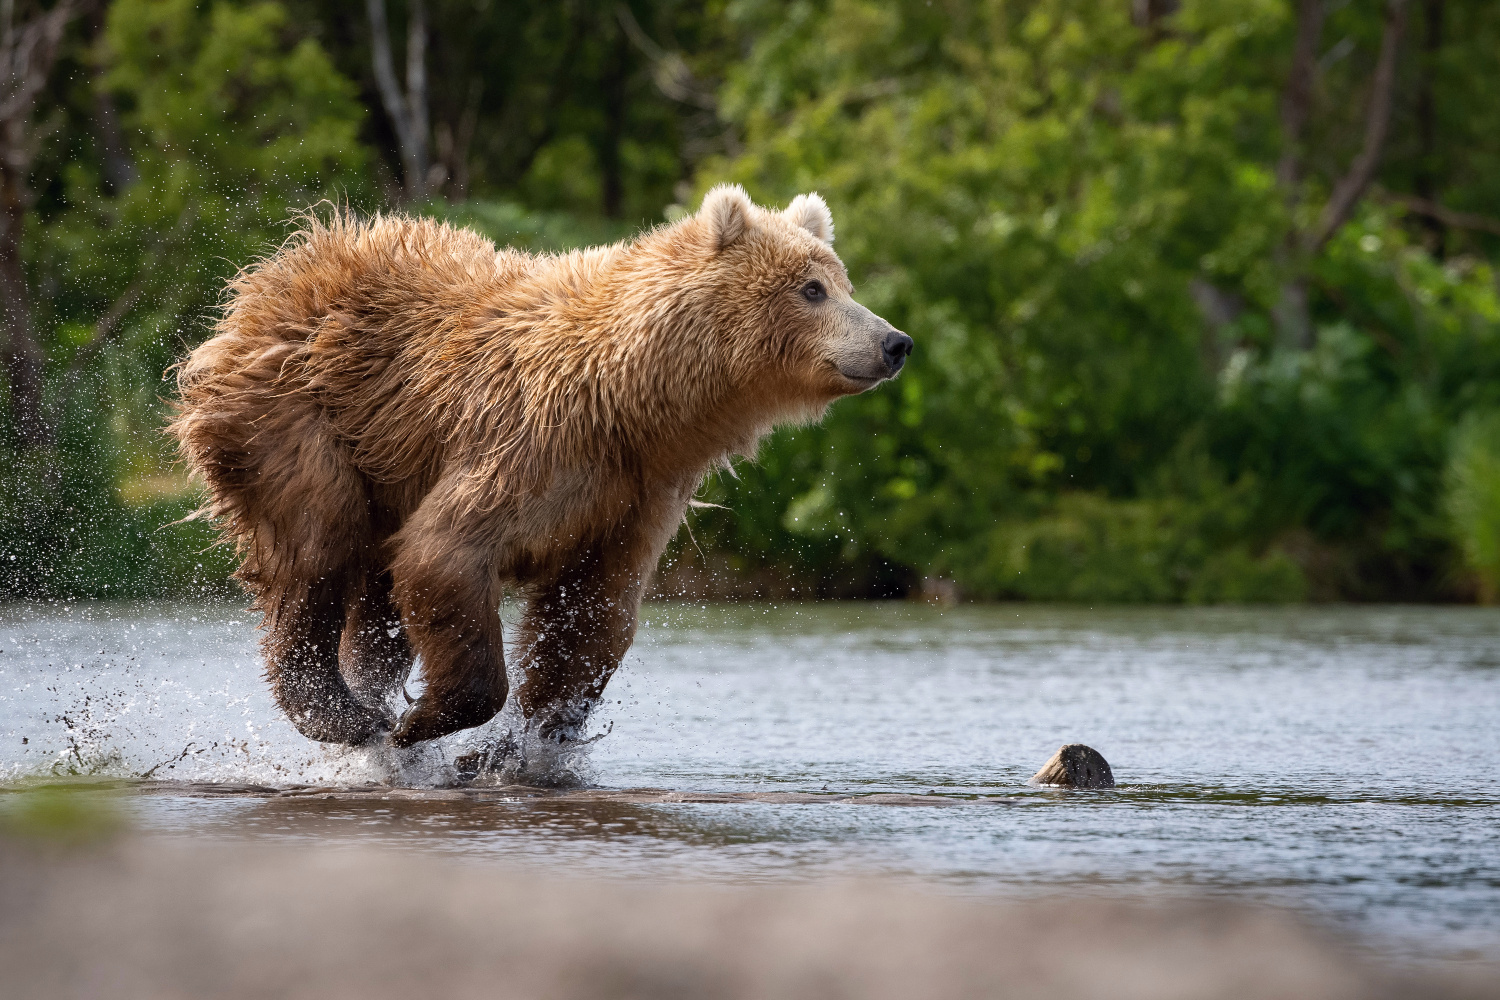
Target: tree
[
  {"x": 28, "y": 49},
  {"x": 1087, "y": 215},
  {"x": 595, "y": 109},
  {"x": 1297, "y": 105},
  {"x": 407, "y": 110},
  {"x": 233, "y": 121}
]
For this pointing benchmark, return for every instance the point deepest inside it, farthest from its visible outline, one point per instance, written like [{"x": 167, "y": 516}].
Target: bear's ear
[
  {"x": 726, "y": 210},
  {"x": 810, "y": 212}
]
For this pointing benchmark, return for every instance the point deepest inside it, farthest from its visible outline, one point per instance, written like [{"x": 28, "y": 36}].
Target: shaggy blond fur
[{"x": 394, "y": 420}]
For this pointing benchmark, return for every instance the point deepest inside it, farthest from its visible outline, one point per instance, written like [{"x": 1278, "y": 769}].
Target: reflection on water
[{"x": 1346, "y": 760}]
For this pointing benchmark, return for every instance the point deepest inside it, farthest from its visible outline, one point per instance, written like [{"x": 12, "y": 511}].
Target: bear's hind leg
[
  {"x": 285, "y": 487},
  {"x": 374, "y": 654},
  {"x": 301, "y": 648}
]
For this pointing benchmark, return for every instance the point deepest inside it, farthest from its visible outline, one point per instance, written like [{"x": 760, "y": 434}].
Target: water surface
[{"x": 1342, "y": 761}]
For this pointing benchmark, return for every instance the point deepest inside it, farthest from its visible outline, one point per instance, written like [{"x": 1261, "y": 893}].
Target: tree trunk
[
  {"x": 416, "y": 91},
  {"x": 1297, "y": 98},
  {"x": 1351, "y": 187},
  {"x": 453, "y": 143},
  {"x": 407, "y": 111},
  {"x": 614, "y": 126},
  {"x": 1146, "y": 13},
  {"x": 116, "y": 165},
  {"x": 1290, "y": 314},
  {"x": 1425, "y": 183},
  {"x": 27, "y": 54},
  {"x": 23, "y": 356},
  {"x": 1292, "y": 322}
]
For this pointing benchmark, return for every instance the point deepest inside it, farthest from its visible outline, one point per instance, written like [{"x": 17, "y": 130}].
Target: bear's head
[{"x": 782, "y": 305}]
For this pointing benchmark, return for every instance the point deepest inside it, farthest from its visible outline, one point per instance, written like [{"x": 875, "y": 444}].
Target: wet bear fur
[{"x": 394, "y": 421}]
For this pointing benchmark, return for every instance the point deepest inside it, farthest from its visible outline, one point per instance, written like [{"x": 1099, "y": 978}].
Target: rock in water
[{"x": 1075, "y": 766}]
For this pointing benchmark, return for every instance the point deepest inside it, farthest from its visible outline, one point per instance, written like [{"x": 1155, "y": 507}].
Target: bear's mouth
[{"x": 863, "y": 381}]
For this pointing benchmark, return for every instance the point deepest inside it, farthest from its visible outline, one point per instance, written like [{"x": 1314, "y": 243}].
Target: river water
[{"x": 1341, "y": 761}]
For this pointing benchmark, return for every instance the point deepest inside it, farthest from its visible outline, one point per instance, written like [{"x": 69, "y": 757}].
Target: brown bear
[{"x": 394, "y": 421}]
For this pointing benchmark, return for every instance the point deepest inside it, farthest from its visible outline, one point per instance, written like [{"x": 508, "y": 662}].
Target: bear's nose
[{"x": 897, "y": 348}]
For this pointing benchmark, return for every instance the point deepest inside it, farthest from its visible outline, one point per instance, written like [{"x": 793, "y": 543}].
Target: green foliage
[
  {"x": 1473, "y": 498},
  {"x": 1073, "y": 208},
  {"x": 233, "y": 93},
  {"x": 233, "y": 121},
  {"x": 509, "y": 223},
  {"x": 65, "y": 531},
  {"x": 1092, "y": 548},
  {"x": 1029, "y": 190},
  {"x": 61, "y": 814},
  {"x": 552, "y": 104},
  {"x": 1349, "y": 440},
  {"x": 1041, "y": 193}
]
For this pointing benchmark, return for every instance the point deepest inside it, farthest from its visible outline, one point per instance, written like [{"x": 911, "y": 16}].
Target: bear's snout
[
  {"x": 868, "y": 349},
  {"x": 897, "y": 348}
]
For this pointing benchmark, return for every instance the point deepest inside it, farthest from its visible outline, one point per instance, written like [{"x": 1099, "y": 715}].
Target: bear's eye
[{"x": 814, "y": 291}]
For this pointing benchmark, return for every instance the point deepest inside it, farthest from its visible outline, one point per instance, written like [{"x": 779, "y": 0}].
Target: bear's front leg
[
  {"x": 575, "y": 631},
  {"x": 449, "y": 604}
]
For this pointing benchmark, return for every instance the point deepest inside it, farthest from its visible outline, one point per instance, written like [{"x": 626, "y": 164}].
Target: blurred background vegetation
[{"x": 1204, "y": 292}]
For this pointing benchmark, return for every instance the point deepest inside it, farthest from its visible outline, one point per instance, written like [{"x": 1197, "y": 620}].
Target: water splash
[{"x": 168, "y": 693}]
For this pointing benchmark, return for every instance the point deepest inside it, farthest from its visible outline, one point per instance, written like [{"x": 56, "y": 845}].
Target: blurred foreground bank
[{"x": 142, "y": 918}]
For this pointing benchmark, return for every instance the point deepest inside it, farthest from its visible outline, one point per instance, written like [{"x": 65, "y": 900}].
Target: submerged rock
[{"x": 1075, "y": 766}]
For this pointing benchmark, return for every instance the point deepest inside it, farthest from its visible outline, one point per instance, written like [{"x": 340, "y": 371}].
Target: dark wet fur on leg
[
  {"x": 453, "y": 620},
  {"x": 301, "y": 648},
  {"x": 374, "y": 653}
]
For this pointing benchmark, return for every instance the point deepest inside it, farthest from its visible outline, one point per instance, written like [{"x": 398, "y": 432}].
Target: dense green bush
[
  {"x": 1041, "y": 193},
  {"x": 1473, "y": 498},
  {"x": 65, "y": 532}
]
